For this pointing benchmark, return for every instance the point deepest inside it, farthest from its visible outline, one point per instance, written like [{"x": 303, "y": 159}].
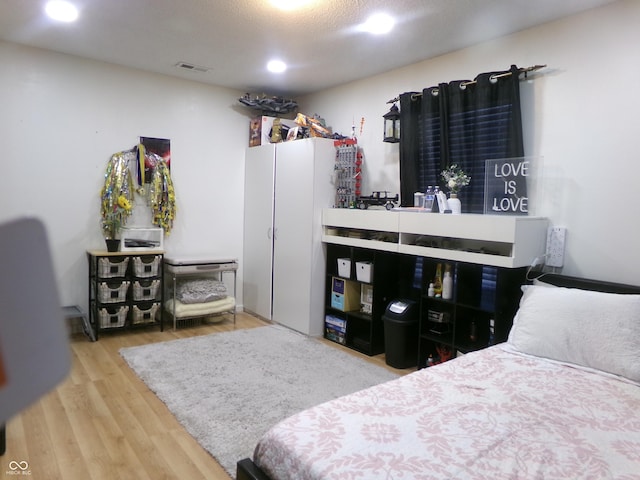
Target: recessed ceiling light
[
  {"x": 61, "y": 11},
  {"x": 289, "y": 5},
  {"x": 276, "y": 66},
  {"x": 378, "y": 24}
]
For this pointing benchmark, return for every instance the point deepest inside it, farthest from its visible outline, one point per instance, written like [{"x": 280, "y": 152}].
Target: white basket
[
  {"x": 344, "y": 267},
  {"x": 146, "y": 266},
  {"x": 145, "y": 289},
  {"x": 112, "y": 267},
  {"x": 112, "y": 293},
  {"x": 141, "y": 315},
  {"x": 111, "y": 317},
  {"x": 364, "y": 272}
]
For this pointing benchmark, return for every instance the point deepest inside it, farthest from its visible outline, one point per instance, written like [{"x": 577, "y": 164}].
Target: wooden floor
[{"x": 103, "y": 423}]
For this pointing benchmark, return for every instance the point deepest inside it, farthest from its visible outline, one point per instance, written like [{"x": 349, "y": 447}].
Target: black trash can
[{"x": 401, "y": 333}]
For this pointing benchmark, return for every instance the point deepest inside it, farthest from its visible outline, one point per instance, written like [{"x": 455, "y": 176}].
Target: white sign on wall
[{"x": 507, "y": 186}]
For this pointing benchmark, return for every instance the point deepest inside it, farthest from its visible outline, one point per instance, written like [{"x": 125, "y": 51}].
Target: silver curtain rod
[{"x": 471, "y": 82}]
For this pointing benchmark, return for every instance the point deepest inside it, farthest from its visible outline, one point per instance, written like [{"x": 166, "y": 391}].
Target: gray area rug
[{"x": 227, "y": 389}]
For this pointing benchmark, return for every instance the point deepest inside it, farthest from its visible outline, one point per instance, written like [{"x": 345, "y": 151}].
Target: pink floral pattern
[{"x": 493, "y": 414}]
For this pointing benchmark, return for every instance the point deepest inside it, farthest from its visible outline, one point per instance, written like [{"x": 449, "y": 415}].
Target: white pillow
[{"x": 592, "y": 329}]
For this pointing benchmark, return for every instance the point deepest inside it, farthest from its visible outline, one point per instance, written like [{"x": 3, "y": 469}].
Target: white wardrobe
[{"x": 286, "y": 187}]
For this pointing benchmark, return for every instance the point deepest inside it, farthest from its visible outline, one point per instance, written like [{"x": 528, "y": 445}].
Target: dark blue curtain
[{"x": 463, "y": 122}]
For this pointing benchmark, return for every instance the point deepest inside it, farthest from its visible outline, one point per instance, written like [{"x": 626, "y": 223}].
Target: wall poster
[{"x": 159, "y": 146}]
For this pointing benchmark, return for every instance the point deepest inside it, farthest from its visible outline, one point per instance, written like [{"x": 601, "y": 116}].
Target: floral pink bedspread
[{"x": 493, "y": 414}]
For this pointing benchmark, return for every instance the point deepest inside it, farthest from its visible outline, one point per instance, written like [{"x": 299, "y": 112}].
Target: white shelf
[
  {"x": 502, "y": 241},
  {"x": 381, "y": 220},
  {"x": 358, "y": 242}
]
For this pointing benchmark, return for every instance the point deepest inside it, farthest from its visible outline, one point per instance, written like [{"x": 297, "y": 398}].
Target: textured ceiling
[{"x": 233, "y": 39}]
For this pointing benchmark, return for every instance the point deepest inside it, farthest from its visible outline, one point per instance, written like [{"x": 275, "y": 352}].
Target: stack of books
[{"x": 335, "y": 329}]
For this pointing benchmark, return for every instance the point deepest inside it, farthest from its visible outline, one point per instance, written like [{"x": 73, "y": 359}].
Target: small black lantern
[{"x": 392, "y": 125}]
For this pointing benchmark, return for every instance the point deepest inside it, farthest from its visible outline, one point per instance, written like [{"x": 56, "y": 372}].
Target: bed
[{"x": 560, "y": 399}]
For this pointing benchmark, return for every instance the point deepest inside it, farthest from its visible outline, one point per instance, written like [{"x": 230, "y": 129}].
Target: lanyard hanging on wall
[{"x": 141, "y": 159}]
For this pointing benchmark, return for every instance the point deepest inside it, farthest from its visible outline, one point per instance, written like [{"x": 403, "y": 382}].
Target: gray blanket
[{"x": 200, "y": 290}]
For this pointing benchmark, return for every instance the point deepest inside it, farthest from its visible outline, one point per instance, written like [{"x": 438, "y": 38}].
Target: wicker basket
[
  {"x": 109, "y": 292},
  {"x": 141, "y": 316},
  {"x": 146, "y": 266},
  {"x": 145, "y": 289},
  {"x": 109, "y": 267},
  {"x": 113, "y": 317}
]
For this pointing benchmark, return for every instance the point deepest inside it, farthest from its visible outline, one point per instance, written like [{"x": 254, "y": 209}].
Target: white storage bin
[
  {"x": 112, "y": 292},
  {"x": 344, "y": 267},
  {"x": 146, "y": 266},
  {"x": 112, "y": 317},
  {"x": 109, "y": 267},
  {"x": 140, "y": 315},
  {"x": 145, "y": 289},
  {"x": 364, "y": 271}
]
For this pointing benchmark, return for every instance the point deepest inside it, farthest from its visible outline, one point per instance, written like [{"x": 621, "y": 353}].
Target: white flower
[{"x": 455, "y": 178}]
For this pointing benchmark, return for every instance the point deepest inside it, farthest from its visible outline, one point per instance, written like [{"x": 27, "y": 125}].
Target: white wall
[
  {"x": 579, "y": 115},
  {"x": 62, "y": 118}
]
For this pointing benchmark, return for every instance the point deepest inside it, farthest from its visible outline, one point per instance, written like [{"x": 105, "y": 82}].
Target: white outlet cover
[{"x": 556, "y": 237}]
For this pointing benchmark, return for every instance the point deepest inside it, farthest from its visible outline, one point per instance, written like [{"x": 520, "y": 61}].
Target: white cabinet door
[
  {"x": 292, "y": 244},
  {"x": 303, "y": 189},
  {"x": 258, "y": 230}
]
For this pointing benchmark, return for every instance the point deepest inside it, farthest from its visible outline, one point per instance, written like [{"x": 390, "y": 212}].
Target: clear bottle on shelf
[
  {"x": 429, "y": 198},
  {"x": 437, "y": 282},
  {"x": 447, "y": 283}
]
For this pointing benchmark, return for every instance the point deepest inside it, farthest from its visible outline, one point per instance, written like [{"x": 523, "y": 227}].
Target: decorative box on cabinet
[
  {"x": 125, "y": 289},
  {"x": 484, "y": 298},
  {"x": 345, "y": 295}
]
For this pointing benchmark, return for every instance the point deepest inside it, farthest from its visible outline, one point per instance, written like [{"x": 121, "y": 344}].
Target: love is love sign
[{"x": 506, "y": 186}]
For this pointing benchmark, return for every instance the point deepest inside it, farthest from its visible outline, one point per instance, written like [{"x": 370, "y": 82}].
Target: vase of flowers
[
  {"x": 455, "y": 179},
  {"x": 113, "y": 218}
]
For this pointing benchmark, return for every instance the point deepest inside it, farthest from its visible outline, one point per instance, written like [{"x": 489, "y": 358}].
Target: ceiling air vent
[{"x": 192, "y": 67}]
